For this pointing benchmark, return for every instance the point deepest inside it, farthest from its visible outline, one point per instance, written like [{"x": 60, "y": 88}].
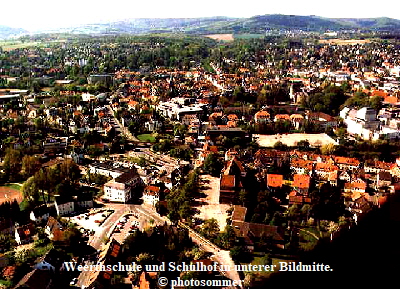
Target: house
[
  {"x": 24, "y": 234},
  {"x": 323, "y": 119},
  {"x": 239, "y": 213},
  {"x": 147, "y": 280},
  {"x": 345, "y": 176},
  {"x": 301, "y": 183},
  {"x": 107, "y": 169},
  {"x": 362, "y": 122},
  {"x": 235, "y": 167},
  {"x": 349, "y": 164},
  {"x": 281, "y": 117},
  {"x": 116, "y": 192},
  {"x": 41, "y": 213},
  {"x": 274, "y": 180},
  {"x": 296, "y": 120},
  {"x": 356, "y": 185},
  {"x": 262, "y": 117},
  {"x": 121, "y": 188},
  {"x": 301, "y": 166},
  {"x": 64, "y": 206},
  {"x": 84, "y": 201},
  {"x": 229, "y": 188},
  {"x": 265, "y": 158},
  {"x": 384, "y": 179},
  {"x": 54, "y": 230},
  {"x": 377, "y": 166},
  {"x": 296, "y": 198},
  {"x": 252, "y": 232},
  {"x": 151, "y": 195},
  {"x": 324, "y": 170}
]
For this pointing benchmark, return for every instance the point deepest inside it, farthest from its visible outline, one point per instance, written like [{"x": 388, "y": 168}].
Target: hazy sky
[{"x": 47, "y": 14}]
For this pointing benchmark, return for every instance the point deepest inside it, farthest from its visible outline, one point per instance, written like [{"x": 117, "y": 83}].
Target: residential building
[{"x": 151, "y": 195}]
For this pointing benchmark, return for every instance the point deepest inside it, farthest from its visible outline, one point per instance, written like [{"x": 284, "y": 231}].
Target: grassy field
[
  {"x": 11, "y": 45},
  {"x": 14, "y": 186},
  {"x": 266, "y": 274},
  {"x": 248, "y": 36},
  {"x": 146, "y": 137}
]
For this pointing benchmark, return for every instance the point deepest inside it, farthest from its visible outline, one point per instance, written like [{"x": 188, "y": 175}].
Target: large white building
[
  {"x": 117, "y": 192},
  {"x": 121, "y": 188},
  {"x": 176, "y": 108},
  {"x": 365, "y": 124},
  {"x": 362, "y": 122}
]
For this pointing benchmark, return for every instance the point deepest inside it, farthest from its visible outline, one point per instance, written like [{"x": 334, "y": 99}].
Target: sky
[{"x": 34, "y": 15}]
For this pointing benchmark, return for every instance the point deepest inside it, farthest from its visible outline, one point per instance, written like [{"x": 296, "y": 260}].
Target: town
[{"x": 228, "y": 154}]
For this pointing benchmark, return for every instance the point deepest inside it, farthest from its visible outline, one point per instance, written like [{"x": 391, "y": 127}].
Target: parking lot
[
  {"x": 91, "y": 222},
  {"x": 126, "y": 225}
]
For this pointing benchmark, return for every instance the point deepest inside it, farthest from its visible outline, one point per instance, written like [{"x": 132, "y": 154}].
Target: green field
[
  {"x": 146, "y": 137},
  {"x": 11, "y": 45},
  {"x": 248, "y": 36},
  {"x": 13, "y": 186}
]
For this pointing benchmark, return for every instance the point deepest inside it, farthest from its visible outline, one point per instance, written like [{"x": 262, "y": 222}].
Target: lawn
[
  {"x": 11, "y": 45},
  {"x": 14, "y": 186},
  {"x": 146, "y": 137},
  {"x": 266, "y": 274},
  {"x": 248, "y": 36}
]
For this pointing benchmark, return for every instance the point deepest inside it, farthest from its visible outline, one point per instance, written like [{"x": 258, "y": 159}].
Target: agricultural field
[
  {"x": 345, "y": 41},
  {"x": 221, "y": 37}
]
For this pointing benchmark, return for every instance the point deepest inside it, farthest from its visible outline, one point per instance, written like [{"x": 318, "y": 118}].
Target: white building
[
  {"x": 120, "y": 188},
  {"x": 116, "y": 192},
  {"x": 151, "y": 195},
  {"x": 64, "y": 207},
  {"x": 362, "y": 122}
]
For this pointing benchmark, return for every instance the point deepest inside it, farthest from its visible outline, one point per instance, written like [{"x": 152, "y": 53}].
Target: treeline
[{"x": 60, "y": 179}]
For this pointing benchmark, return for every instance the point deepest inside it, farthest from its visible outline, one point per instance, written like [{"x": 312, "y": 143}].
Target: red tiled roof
[
  {"x": 274, "y": 180},
  {"x": 228, "y": 181},
  {"x": 301, "y": 181},
  {"x": 152, "y": 190},
  {"x": 347, "y": 161}
]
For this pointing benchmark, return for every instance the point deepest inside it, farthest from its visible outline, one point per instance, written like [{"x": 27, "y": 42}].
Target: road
[
  {"x": 97, "y": 240},
  {"x": 124, "y": 130},
  {"x": 222, "y": 257}
]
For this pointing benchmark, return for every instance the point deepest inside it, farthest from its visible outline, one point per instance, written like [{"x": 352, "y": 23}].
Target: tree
[
  {"x": 228, "y": 237},
  {"x": 7, "y": 242},
  {"x": 12, "y": 164},
  {"x": 30, "y": 164},
  {"x": 30, "y": 190},
  {"x": 212, "y": 165},
  {"x": 210, "y": 229},
  {"x": 280, "y": 146},
  {"x": 328, "y": 149},
  {"x": 266, "y": 259}
]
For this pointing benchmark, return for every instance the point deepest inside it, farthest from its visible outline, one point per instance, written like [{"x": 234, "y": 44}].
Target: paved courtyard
[
  {"x": 211, "y": 207},
  {"x": 315, "y": 140}
]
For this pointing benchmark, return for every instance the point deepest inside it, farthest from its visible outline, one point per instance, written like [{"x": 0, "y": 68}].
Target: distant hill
[
  {"x": 255, "y": 24},
  {"x": 6, "y": 32}
]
